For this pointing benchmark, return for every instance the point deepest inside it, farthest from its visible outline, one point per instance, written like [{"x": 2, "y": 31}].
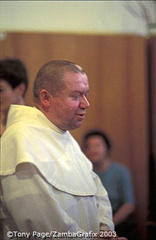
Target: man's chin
[{"x": 77, "y": 125}]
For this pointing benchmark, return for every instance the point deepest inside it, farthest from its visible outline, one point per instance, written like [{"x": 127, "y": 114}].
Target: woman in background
[
  {"x": 115, "y": 178},
  {"x": 13, "y": 86}
]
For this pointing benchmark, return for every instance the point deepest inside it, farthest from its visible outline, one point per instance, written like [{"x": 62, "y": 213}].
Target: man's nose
[{"x": 84, "y": 102}]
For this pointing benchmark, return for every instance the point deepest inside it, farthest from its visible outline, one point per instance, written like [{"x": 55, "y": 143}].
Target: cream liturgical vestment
[{"x": 47, "y": 182}]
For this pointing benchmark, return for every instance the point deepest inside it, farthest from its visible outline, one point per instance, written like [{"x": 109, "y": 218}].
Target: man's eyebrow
[{"x": 79, "y": 91}]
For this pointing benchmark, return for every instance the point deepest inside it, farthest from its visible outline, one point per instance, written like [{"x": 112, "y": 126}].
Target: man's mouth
[{"x": 81, "y": 116}]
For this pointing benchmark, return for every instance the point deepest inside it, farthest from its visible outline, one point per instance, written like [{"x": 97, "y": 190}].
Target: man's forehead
[{"x": 77, "y": 84}]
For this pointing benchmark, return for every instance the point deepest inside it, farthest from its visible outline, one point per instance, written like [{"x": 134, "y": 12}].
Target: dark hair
[
  {"x": 100, "y": 133},
  {"x": 14, "y": 72},
  {"x": 50, "y": 76}
]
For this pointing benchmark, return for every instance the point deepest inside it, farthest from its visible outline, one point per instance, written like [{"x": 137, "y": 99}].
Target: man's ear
[{"x": 45, "y": 98}]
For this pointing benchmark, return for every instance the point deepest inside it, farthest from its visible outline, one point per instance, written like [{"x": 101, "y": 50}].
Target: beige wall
[{"x": 76, "y": 16}]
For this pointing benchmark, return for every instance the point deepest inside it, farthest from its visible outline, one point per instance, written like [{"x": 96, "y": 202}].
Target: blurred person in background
[
  {"x": 13, "y": 86},
  {"x": 115, "y": 178}
]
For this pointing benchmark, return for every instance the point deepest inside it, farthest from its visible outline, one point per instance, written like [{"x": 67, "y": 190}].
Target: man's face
[
  {"x": 68, "y": 108},
  {"x": 96, "y": 149}
]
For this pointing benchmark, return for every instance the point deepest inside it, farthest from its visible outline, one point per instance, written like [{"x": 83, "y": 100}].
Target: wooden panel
[
  {"x": 138, "y": 125},
  {"x": 116, "y": 67}
]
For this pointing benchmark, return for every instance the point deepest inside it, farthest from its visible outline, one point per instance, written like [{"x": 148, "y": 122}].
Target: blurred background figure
[
  {"x": 13, "y": 86},
  {"x": 115, "y": 178}
]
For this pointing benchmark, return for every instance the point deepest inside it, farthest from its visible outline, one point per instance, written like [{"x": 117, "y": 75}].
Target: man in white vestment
[{"x": 48, "y": 188}]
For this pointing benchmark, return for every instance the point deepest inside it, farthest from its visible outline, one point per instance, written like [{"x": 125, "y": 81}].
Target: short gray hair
[{"x": 50, "y": 76}]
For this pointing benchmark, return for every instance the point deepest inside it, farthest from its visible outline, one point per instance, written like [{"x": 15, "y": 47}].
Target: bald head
[{"x": 50, "y": 77}]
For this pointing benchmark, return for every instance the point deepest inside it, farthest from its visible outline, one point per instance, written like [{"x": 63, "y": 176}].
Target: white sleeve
[
  {"x": 32, "y": 204},
  {"x": 104, "y": 206}
]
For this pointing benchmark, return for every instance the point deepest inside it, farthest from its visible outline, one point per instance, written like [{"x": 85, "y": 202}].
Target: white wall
[{"x": 75, "y": 16}]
